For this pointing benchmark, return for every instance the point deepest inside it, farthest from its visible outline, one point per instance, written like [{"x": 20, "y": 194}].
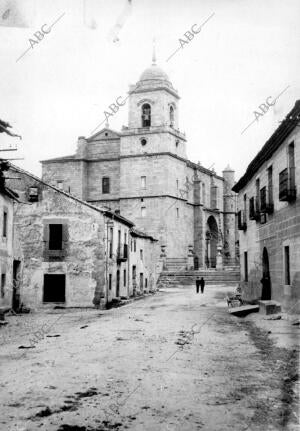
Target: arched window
[
  {"x": 171, "y": 116},
  {"x": 146, "y": 115},
  {"x": 105, "y": 185}
]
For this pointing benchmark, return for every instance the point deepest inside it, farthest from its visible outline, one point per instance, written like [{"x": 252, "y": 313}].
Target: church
[{"x": 142, "y": 173}]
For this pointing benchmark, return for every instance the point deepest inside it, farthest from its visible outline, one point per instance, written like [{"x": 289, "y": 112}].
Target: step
[{"x": 269, "y": 307}]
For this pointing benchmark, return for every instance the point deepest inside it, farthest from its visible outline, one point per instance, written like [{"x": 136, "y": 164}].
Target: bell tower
[{"x": 153, "y": 111}]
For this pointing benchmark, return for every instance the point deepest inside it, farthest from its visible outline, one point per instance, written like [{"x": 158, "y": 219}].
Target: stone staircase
[
  {"x": 176, "y": 264},
  {"x": 227, "y": 277}
]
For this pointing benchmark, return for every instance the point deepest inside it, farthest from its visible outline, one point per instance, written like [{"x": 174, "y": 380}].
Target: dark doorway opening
[
  {"x": 196, "y": 262},
  {"x": 212, "y": 236},
  {"x": 55, "y": 236},
  {"x": 118, "y": 284},
  {"x": 54, "y": 288},
  {"x": 266, "y": 280},
  {"x": 16, "y": 285}
]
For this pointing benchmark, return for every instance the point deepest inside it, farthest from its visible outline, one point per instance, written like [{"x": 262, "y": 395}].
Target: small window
[
  {"x": 171, "y": 116},
  {"x": 134, "y": 245},
  {"x": 33, "y": 194},
  {"x": 3, "y": 283},
  {"x": 143, "y": 141},
  {"x": 177, "y": 143},
  {"x": 177, "y": 184},
  {"x": 110, "y": 281},
  {"x": 105, "y": 185},
  {"x": 143, "y": 212},
  {"x": 141, "y": 254},
  {"x": 60, "y": 185},
  {"x": 143, "y": 182},
  {"x": 287, "y": 273},
  {"x": 146, "y": 283},
  {"x": 177, "y": 212},
  {"x": 4, "y": 229},
  {"x": 124, "y": 277},
  {"x": 55, "y": 236}
]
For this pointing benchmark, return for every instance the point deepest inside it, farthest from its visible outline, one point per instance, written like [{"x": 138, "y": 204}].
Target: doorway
[
  {"x": 16, "y": 285},
  {"x": 266, "y": 280},
  {"x": 118, "y": 284},
  {"x": 54, "y": 288},
  {"x": 212, "y": 235}
]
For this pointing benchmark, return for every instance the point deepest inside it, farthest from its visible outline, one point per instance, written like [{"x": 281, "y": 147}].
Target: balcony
[
  {"x": 242, "y": 225},
  {"x": 254, "y": 209},
  {"x": 266, "y": 201},
  {"x": 122, "y": 253},
  {"x": 287, "y": 187}
]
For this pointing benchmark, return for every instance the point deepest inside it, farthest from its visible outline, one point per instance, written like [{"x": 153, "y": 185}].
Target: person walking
[
  {"x": 202, "y": 284},
  {"x": 197, "y": 284}
]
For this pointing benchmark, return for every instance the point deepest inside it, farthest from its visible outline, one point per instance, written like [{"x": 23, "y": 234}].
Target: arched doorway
[
  {"x": 211, "y": 242},
  {"x": 266, "y": 279}
]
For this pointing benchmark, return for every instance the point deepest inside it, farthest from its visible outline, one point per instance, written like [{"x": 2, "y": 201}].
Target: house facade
[
  {"x": 269, "y": 218},
  {"x": 143, "y": 173},
  {"x": 74, "y": 253}
]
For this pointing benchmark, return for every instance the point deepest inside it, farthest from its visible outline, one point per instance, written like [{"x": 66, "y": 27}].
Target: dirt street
[{"x": 174, "y": 361}]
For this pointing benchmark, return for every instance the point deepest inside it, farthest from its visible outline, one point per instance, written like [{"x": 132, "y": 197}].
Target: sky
[{"x": 246, "y": 53}]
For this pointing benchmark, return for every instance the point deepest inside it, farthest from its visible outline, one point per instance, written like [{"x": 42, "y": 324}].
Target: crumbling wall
[{"x": 83, "y": 263}]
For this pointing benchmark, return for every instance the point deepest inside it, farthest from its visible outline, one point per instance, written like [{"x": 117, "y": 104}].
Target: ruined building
[{"x": 142, "y": 172}]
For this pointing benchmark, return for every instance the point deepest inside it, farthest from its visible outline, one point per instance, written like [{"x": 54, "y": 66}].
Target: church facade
[{"x": 142, "y": 172}]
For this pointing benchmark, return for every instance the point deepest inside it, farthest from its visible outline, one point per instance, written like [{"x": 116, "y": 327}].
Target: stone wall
[
  {"x": 281, "y": 229},
  {"x": 6, "y": 252}
]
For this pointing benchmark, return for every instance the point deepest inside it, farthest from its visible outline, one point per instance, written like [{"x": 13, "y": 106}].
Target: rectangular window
[
  {"x": 111, "y": 236},
  {"x": 143, "y": 182},
  {"x": 245, "y": 204},
  {"x": 246, "y": 266},
  {"x": 4, "y": 229},
  {"x": 263, "y": 199},
  {"x": 291, "y": 156},
  {"x": 110, "y": 281},
  {"x": 134, "y": 245},
  {"x": 124, "y": 277},
  {"x": 125, "y": 237},
  {"x": 177, "y": 183},
  {"x": 55, "y": 236},
  {"x": 105, "y": 185},
  {"x": 3, "y": 283},
  {"x": 270, "y": 185},
  {"x": 287, "y": 274},
  {"x": 143, "y": 212},
  {"x": 141, "y": 254},
  {"x": 60, "y": 185},
  {"x": 177, "y": 212},
  {"x": 257, "y": 186}
]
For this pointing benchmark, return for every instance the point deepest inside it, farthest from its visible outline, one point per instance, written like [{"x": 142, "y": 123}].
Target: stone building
[
  {"x": 9, "y": 258},
  {"x": 269, "y": 217},
  {"x": 74, "y": 253},
  {"x": 143, "y": 173}
]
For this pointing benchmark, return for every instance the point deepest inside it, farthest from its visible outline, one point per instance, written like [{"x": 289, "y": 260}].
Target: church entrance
[{"x": 211, "y": 239}]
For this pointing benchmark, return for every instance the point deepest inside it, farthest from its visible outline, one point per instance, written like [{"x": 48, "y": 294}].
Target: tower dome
[{"x": 154, "y": 73}]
